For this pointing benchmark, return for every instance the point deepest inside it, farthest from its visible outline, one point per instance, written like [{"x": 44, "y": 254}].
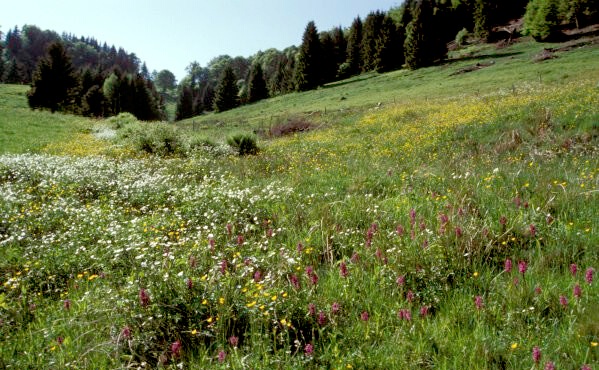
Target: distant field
[
  {"x": 23, "y": 130},
  {"x": 452, "y": 226}
]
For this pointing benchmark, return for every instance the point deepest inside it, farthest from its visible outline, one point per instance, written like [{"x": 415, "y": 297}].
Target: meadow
[{"x": 452, "y": 226}]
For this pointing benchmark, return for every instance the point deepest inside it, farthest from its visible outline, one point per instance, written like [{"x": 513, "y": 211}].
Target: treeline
[
  {"x": 78, "y": 75},
  {"x": 413, "y": 35}
]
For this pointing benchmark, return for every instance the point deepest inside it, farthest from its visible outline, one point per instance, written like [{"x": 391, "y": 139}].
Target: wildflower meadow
[{"x": 456, "y": 233}]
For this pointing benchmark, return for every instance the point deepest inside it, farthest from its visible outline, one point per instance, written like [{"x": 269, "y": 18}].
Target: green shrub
[
  {"x": 122, "y": 120},
  {"x": 541, "y": 20},
  {"x": 460, "y": 38},
  {"x": 244, "y": 144}
]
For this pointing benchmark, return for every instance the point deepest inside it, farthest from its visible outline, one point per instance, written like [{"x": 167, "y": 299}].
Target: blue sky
[{"x": 169, "y": 34}]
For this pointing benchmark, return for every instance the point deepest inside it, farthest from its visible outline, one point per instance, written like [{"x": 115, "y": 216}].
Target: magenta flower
[
  {"x": 126, "y": 332},
  {"x": 399, "y": 230},
  {"x": 563, "y": 300},
  {"x": 533, "y": 230},
  {"x": 59, "y": 340},
  {"x": 300, "y": 247},
  {"x": 335, "y": 307},
  {"x": 355, "y": 257},
  {"x": 378, "y": 253},
  {"x": 538, "y": 290},
  {"x": 67, "y": 304},
  {"x": 311, "y": 309},
  {"x": 573, "y": 269},
  {"x": 309, "y": 349},
  {"x": 508, "y": 265},
  {"x": 401, "y": 280},
  {"x": 223, "y": 266},
  {"x": 229, "y": 229},
  {"x": 189, "y": 283},
  {"x": 309, "y": 270},
  {"x": 314, "y": 279},
  {"x": 364, "y": 316},
  {"x": 258, "y": 276},
  {"x": 577, "y": 291},
  {"x": 322, "y": 318},
  {"x": 478, "y": 302},
  {"x": 269, "y": 233},
  {"x": 404, "y": 314},
  {"x": 211, "y": 242},
  {"x": 412, "y": 217},
  {"x": 343, "y": 269},
  {"x": 295, "y": 282},
  {"x": 585, "y": 367},
  {"x": 443, "y": 219},
  {"x": 458, "y": 232},
  {"x": 222, "y": 355},
  {"x": 536, "y": 354},
  {"x": 144, "y": 297},
  {"x": 549, "y": 366},
  {"x": 176, "y": 349},
  {"x": 422, "y": 226},
  {"x": 234, "y": 341},
  {"x": 522, "y": 267},
  {"x": 588, "y": 275},
  {"x": 410, "y": 296},
  {"x": 424, "y": 311},
  {"x": 239, "y": 239}
]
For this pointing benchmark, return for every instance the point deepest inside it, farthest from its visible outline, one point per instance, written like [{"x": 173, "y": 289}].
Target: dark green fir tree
[
  {"x": 257, "y": 89},
  {"x": 53, "y": 81},
  {"x": 227, "y": 92},
  {"x": 308, "y": 74}
]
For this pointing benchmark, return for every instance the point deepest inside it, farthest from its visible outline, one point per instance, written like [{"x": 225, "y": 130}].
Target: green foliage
[
  {"x": 308, "y": 72},
  {"x": 165, "y": 80},
  {"x": 54, "y": 81},
  {"x": 482, "y": 19},
  {"x": 541, "y": 20},
  {"x": 161, "y": 139},
  {"x": 354, "y": 48},
  {"x": 256, "y": 87},
  {"x": 244, "y": 144},
  {"x": 227, "y": 93},
  {"x": 460, "y": 38},
  {"x": 185, "y": 104}
]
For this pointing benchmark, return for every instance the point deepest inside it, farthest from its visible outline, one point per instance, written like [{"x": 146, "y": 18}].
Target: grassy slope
[
  {"x": 528, "y": 154},
  {"x": 513, "y": 69},
  {"x": 23, "y": 130}
]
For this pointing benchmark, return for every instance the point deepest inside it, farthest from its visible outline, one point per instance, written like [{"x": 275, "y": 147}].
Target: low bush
[{"x": 244, "y": 144}]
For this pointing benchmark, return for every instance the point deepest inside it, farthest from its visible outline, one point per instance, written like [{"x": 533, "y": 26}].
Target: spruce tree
[
  {"x": 354, "y": 48},
  {"x": 329, "y": 63},
  {"x": 482, "y": 19},
  {"x": 339, "y": 46},
  {"x": 541, "y": 20},
  {"x": 226, "y": 96},
  {"x": 184, "y": 104},
  {"x": 371, "y": 35},
  {"x": 389, "y": 47},
  {"x": 53, "y": 80},
  {"x": 423, "y": 44},
  {"x": 308, "y": 73},
  {"x": 257, "y": 85}
]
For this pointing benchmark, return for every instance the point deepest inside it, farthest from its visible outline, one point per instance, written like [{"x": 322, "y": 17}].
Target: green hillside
[{"x": 444, "y": 218}]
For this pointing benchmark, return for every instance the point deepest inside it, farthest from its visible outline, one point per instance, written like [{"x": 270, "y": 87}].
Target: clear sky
[{"x": 169, "y": 34}]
